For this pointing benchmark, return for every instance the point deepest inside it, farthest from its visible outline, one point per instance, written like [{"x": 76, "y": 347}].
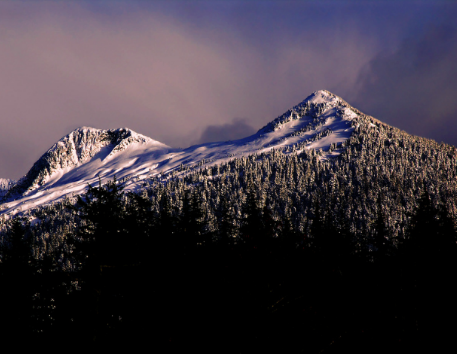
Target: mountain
[
  {"x": 322, "y": 120},
  {"x": 323, "y": 153},
  {"x": 262, "y": 231},
  {"x": 78, "y": 147}
]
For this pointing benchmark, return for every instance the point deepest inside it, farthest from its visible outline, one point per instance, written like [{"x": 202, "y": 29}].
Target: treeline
[
  {"x": 287, "y": 250},
  {"x": 254, "y": 284},
  {"x": 380, "y": 172}
]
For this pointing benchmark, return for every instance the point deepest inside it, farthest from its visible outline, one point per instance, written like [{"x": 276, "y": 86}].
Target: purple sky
[{"x": 186, "y": 72}]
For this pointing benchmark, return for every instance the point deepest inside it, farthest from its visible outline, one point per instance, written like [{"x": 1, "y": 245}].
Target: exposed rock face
[
  {"x": 5, "y": 186},
  {"x": 72, "y": 150}
]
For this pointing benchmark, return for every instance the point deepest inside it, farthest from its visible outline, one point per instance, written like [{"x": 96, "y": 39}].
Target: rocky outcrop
[{"x": 73, "y": 150}]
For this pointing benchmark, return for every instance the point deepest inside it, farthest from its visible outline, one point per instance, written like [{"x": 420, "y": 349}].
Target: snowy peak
[
  {"x": 85, "y": 142},
  {"x": 316, "y": 105},
  {"x": 74, "y": 149},
  {"x": 321, "y": 96}
]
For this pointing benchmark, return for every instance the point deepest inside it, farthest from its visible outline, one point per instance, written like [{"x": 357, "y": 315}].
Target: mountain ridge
[
  {"x": 72, "y": 150},
  {"x": 322, "y": 122}
]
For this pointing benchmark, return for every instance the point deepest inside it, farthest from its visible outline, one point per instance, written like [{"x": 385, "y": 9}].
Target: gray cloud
[
  {"x": 237, "y": 129},
  {"x": 415, "y": 88}
]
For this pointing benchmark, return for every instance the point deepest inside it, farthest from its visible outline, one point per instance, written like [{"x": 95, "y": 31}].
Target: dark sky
[{"x": 186, "y": 72}]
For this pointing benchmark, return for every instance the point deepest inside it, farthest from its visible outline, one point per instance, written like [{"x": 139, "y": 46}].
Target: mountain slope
[
  {"x": 341, "y": 193},
  {"x": 323, "y": 124},
  {"x": 76, "y": 148},
  {"x": 322, "y": 120},
  {"x": 378, "y": 178},
  {"x": 322, "y": 157}
]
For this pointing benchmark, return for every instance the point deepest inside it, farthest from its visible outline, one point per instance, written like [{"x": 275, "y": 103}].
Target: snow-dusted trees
[{"x": 380, "y": 172}]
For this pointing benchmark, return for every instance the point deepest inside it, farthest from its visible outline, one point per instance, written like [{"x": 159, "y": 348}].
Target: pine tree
[
  {"x": 140, "y": 226},
  {"x": 101, "y": 247},
  {"x": 251, "y": 225},
  {"x": 382, "y": 243},
  {"x": 102, "y": 235},
  {"x": 227, "y": 228}
]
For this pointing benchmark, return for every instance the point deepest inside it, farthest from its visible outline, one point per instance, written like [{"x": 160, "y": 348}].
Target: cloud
[
  {"x": 237, "y": 129},
  {"x": 168, "y": 78},
  {"x": 173, "y": 72},
  {"x": 415, "y": 88}
]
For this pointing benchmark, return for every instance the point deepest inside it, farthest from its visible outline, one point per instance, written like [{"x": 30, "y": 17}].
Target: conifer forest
[
  {"x": 228, "y": 177},
  {"x": 281, "y": 252}
]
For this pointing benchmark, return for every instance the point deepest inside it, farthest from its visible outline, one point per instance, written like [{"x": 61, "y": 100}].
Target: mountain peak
[
  {"x": 85, "y": 128},
  {"x": 321, "y": 96},
  {"x": 312, "y": 106},
  {"x": 321, "y": 122},
  {"x": 74, "y": 149},
  {"x": 119, "y": 133}
]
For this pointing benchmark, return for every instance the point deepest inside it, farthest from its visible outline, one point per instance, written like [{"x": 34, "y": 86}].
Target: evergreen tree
[
  {"x": 167, "y": 224},
  {"x": 382, "y": 242},
  {"x": 140, "y": 225},
  {"x": 424, "y": 227},
  {"x": 101, "y": 247},
  {"x": 251, "y": 230},
  {"x": 102, "y": 234},
  {"x": 227, "y": 227}
]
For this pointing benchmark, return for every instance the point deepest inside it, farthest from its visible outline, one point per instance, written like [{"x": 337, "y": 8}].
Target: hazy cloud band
[{"x": 181, "y": 73}]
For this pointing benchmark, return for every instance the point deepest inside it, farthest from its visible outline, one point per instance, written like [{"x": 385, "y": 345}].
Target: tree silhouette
[
  {"x": 101, "y": 247},
  {"x": 382, "y": 241},
  {"x": 251, "y": 226},
  {"x": 429, "y": 263},
  {"x": 17, "y": 279},
  {"x": 101, "y": 237}
]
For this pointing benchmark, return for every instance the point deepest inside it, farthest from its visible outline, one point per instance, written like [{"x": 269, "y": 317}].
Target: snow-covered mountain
[
  {"x": 87, "y": 155},
  {"x": 80, "y": 146}
]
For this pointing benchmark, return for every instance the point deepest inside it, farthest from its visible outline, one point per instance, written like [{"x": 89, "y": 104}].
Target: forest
[
  {"x": 137, "y": 277},
  {"x": 282, "y": 251}
]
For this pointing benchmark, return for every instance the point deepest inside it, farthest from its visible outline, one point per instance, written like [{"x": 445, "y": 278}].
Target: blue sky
[{"x": 185, "y": 72}]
